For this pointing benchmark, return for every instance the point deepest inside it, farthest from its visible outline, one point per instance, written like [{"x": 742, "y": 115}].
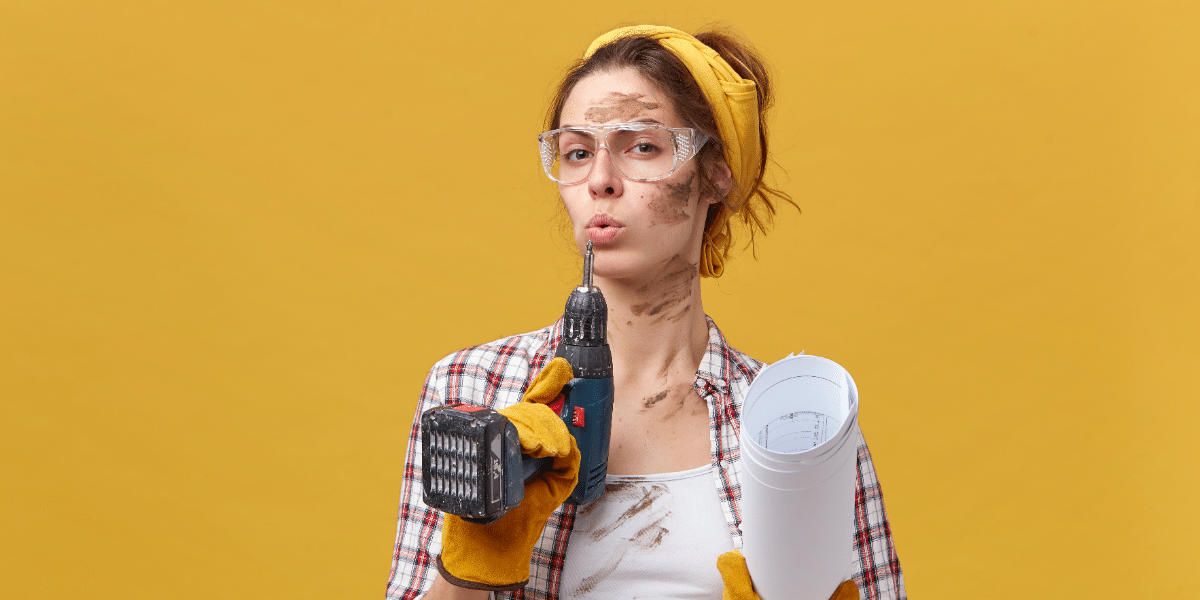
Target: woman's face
[{"x": 636, "y": 227}]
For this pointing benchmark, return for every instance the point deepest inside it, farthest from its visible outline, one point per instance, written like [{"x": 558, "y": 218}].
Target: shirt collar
[{"x": 715, "y": 369}]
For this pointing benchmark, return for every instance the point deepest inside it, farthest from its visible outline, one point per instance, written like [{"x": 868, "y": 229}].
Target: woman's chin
[{"x": 618, "y": 269}]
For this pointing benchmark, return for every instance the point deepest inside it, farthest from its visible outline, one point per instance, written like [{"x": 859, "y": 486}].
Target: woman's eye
[
  {"x": 577, "y": 155},
  {"x": 645, "y": 150}
]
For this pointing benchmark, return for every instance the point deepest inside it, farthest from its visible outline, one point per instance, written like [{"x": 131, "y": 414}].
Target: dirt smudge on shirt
[
  {"x": 649, "y": 496},
  {"x": 589, "y": 583},
  {"x": 642, "y": 515},
  {"x": 652, "y": 534},
  {"x": 618, "y": 488}
]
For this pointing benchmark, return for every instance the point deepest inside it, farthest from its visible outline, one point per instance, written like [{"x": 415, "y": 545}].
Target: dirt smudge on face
[
  {"x": 670, "y": 208},
  {"x": 675, "y": 286},
  {"x": 618, "y": 107}
]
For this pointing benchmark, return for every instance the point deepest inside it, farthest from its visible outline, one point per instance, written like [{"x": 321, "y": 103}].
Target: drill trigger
[{"x": 556, "y": 405}]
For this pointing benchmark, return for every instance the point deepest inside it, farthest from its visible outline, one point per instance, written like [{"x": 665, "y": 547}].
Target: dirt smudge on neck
[
  {"x": 686, "y": 395},
  {"x": 675, "y": 289},
  {"x": 650, "y": 401}
]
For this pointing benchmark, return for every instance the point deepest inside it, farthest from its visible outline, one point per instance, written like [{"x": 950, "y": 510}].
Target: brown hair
[{"x": 646, "y": 56}]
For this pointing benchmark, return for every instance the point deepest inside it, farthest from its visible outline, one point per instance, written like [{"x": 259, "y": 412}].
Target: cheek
[
  {"x": 573, "y": 208},
  {"x": 672, "y": 203}
]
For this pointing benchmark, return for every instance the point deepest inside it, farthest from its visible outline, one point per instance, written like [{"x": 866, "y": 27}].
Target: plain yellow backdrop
[{"x": 234, "y": 235}]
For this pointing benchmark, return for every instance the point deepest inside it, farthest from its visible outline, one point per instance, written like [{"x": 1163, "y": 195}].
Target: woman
[{"x": 656, "y": 142}]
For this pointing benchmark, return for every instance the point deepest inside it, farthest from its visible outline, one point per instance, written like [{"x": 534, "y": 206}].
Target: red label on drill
[
  {"x": 577, "y": 418},
  {"x": 469, "y": 408}
]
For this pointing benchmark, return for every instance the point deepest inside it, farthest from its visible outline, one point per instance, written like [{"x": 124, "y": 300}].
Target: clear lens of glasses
[{"x": 640, "y": 151}]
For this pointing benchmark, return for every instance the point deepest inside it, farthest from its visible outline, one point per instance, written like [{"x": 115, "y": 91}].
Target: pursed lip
[
  {"x": 603, "y": 220},
  {"x": 602, "y": 229}
]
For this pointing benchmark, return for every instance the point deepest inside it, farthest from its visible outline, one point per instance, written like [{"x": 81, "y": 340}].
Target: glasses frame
[{"x": 687, "y": 144}]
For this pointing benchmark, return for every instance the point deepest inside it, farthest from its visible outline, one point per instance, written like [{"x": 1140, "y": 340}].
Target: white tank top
[{"x": 648, "y": 536}]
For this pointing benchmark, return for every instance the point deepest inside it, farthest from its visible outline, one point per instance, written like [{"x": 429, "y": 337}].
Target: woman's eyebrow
[{"x": 649, "y": 120}]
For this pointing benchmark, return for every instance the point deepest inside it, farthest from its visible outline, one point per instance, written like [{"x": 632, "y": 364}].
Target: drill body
[
  {"x": 587, "y": 412},
  {"x": 471, "y": 461}
]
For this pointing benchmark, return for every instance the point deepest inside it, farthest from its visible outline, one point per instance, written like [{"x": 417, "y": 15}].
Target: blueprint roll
[{"x": 799, "y": 440}]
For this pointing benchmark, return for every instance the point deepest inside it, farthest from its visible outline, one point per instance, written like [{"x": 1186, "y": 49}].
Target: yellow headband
[{"x": 734, "y": 103}]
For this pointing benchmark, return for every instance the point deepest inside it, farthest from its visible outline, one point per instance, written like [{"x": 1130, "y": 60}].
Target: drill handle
[
  {"x": 585, "y": 407},
  {"x": 587, "y": 413},
  {"x": 531, "y": 466}
]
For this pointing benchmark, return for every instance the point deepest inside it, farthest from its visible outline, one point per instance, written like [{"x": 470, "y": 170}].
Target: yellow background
[{"x": 234, "y": 236}]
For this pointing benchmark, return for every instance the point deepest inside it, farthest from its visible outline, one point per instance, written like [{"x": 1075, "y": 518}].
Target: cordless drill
[{"x": 471, "y": 458}]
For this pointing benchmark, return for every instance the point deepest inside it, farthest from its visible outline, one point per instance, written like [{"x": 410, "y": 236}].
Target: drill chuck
[
  {"x": 585, "y": 328},
  {"x": 585, "y": 334}
]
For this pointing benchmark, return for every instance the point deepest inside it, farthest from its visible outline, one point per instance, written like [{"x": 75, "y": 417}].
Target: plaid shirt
[{"x": 496, "y": 375}]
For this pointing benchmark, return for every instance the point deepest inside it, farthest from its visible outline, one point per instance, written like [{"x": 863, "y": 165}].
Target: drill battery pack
[{"x": 472, "y": 462}]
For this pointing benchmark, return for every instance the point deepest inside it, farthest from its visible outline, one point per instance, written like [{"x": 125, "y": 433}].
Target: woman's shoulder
[
  {"x": 522, "y": 347},
  {"x": 496, "y": 372}
]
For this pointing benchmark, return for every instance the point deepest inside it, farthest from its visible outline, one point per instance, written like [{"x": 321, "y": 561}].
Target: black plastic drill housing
[{"x": 584, "y": 340}]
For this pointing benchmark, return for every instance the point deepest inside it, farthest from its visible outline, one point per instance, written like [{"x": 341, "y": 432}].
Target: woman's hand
[
  {"x": 496, "y": 556},
  {"x": 738, "y": 586}
]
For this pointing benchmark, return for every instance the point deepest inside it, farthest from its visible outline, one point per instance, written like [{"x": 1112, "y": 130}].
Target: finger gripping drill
[{"x": 471, "y": 458}]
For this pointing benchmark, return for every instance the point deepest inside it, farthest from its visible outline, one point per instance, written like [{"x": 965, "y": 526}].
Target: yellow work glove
[
  {"x": 496, "y": 556},
  {"x": 738, "y": 586}
]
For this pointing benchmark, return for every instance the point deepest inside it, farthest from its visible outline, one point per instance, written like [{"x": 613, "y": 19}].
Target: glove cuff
[{"x": 475, "y": 585}]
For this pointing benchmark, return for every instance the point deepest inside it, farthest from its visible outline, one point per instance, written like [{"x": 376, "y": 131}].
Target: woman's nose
[{"x": 604, "y": 181}]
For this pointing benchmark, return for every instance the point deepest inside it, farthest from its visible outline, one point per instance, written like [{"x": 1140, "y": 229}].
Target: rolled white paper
[{"x": 798, "y": 441}]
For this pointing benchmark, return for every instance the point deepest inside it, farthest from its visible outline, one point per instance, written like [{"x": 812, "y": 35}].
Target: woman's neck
[{"x": 656, "y": 325}]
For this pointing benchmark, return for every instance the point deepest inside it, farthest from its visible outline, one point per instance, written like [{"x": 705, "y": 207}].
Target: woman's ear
[{"x": 718, "y": 182}]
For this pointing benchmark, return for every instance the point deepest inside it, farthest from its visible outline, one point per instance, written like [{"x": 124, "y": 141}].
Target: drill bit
[{"x": 587, "y": 266}]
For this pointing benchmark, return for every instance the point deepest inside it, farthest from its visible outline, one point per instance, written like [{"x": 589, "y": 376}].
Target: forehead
[{"x": 615, "y": 97}]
